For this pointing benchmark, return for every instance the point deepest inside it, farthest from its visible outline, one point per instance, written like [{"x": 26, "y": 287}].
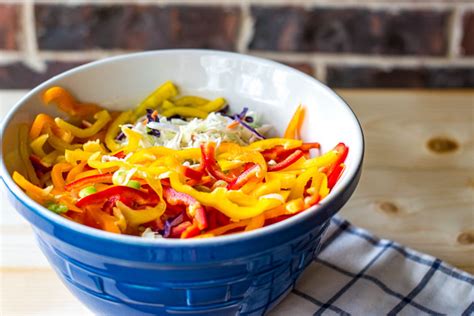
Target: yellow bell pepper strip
[
  {"x": 255, "y": 222},
  {"x": 298, "y": 190},
  {"x": 93, "y": 146},
  {"x": 325, "y": 160},
  {"x": 287, "y": 180},
  {"x": 50, "y": 158},
  {"x": 241, "y": 198},
  {"x": 295, "y": 206},
  {"x": 133, "y": 140},
  {"x": 217, "y": 199},
  {"x": 193, "y": 101},
  {"x": 184, "y": 111},
  {"x": 68, "y": 104},
  {"x": 73, "y": 156},
  {"x": 59, "y": 144},
  {"x": 57, "y": 175},
  {"x": 324, "y": 190},
  {"x": 214, "y": 105},
  {"x": 37, "y": 145},
  {"x": 44, "y": 122},
  {"x": 115, "y": 128},
  {"x": 269, "y": 187},
  {"x": 269, "y": 143},
  {"x": 167, "y": 104},
  {"x": 102, "y": 118},
  {"x": 25, "y": 154},
  {"x": 315, "y": 189},
  {"x": 166, "y": 91},
  {"x": 293, "y": 129},
  {"x": 36, "y": 193},
  {"x": 138, "y": 217}
]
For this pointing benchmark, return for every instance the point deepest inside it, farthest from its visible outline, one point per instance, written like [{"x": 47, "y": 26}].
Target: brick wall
[{"x": 344, "y": 43}]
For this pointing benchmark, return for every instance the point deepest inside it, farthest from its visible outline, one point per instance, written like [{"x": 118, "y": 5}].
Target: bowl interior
[{"x": 269, "y": 88}]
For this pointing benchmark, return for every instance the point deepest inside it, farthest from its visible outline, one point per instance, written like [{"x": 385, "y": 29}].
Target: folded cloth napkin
[{"x": 356, "y": 273}]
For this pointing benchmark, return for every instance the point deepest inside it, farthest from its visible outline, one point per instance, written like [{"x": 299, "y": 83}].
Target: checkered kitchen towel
[{"x": 360, "y": 274}]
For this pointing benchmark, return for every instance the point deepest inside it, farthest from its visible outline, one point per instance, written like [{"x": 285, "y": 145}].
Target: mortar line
[
  {"x": 29, "y": 42},
  {"x": 455, "y": 33},
  {"x": 246, "y": 27}
]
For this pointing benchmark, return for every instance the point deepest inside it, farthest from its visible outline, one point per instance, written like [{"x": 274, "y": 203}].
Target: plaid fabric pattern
[{"x": 360, "y": 274}]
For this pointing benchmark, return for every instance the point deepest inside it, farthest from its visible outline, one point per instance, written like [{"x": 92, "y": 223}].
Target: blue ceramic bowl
[{"x": 245, "y": 273}]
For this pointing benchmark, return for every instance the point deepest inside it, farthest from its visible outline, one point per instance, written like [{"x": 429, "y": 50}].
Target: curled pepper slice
[
  {"x": 102, "y": 118},
  {"x": 67, "y": 103},
  {"x": 210, "y": 164},
  {"x": 291, "y": 159},
  {"x": 123, "y": 193},
  {"x": 195, "y": 209}
]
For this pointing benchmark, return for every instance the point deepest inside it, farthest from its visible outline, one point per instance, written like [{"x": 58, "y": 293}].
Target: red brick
[
  {"x": 19, "y": 76},
  {"x": 370, "y": 77},
  {"x": 9, "y": 26},
  {"x": 361, "y": 31},
  {"x": 136, "y": 27},
  {"x": 467, "y": 42}
]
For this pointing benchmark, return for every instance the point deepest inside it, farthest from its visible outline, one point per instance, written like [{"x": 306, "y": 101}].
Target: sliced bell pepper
[
  {"x": 37, "y": 145},
  {"x": 57, "y": 175},
  {"x": 137, "y": 217},
  {"x": 192, "y": 173},
  {"x": 44, "y": 122},
  {"x": 210, "y": 164},
  {"x": 293, "y": 129},
  {"x": 244, "y": 177},
  {"x": 342, "y": 151},
  {"x": 195, "y": 209},
  {"x": 191, "y": 101},
  {"x": 269, "y": 143},
  {"x": 102, "y": 118},
  {"x": 114, "y": 130},
  {"x": 87, "y": 181},
  {"x": 36, "y": 193},
  {"x": 335, "y": 175},
  {"x": 291, "y": 159},
  {"x": 67, "y": 103},
  {"x": 191, "y": 231},
  {"x": 166, "y": 91},
  {"x": 184, "y": 111},
  {"x": 138, "y": 197},
  {"x": 24, "y": 151}
]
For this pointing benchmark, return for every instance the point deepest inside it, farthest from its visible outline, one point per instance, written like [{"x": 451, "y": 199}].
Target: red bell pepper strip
[
  {"x": 244, "y": 177},
  {"x": 178, "y": 230},
  {"x": 87, "y": 181},
  {"x": 335, "y": 175},
  {"x": 210, "y": 164},
  {"x": 125, "y": 194},
  {"x": 192, "y": 173},
  {"x": 195, "y": 209},
  {"x": 120, "y": 155},
  {"x": 308, "y": 146},
  {"x": 291, "y": 159},
  {"x": 342, "y": 151},
  {"x": 191, "y": 231}
]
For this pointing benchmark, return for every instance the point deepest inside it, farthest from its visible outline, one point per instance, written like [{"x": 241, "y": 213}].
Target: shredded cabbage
[{"x": 179, "y": 134}]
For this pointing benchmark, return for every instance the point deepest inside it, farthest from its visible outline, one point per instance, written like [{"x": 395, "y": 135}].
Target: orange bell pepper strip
[
  {"x": 43, "y": 123},
  {"x": 68, "y": 104},
  {"x": 87, "y": 181},
  {"x": 75, "y": 171},
  {"x": 57, "y": 175},
  {"x": 293, "y": 129},
  {"x": 36, "y": 193}
]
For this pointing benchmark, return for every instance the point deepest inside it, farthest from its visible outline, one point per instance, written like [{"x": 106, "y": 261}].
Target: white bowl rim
[{"x": 166, "y": 242}]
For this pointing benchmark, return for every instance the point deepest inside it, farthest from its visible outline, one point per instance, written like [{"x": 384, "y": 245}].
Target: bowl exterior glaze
[{"x": 244, "y": 274}]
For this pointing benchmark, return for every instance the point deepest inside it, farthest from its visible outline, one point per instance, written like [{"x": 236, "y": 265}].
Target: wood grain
[{"x": 419, "y": 197}]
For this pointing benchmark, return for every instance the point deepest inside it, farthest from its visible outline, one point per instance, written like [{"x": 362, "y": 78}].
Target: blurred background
[{"x": 346, "y": 44}]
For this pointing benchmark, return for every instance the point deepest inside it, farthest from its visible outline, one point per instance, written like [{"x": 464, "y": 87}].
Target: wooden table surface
[{"x": 417, "y": 188}]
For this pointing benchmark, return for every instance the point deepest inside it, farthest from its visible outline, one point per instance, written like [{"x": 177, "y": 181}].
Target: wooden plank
[
  {"x": 424, "y": 210},
  {"x": 398, "y": 126}
]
